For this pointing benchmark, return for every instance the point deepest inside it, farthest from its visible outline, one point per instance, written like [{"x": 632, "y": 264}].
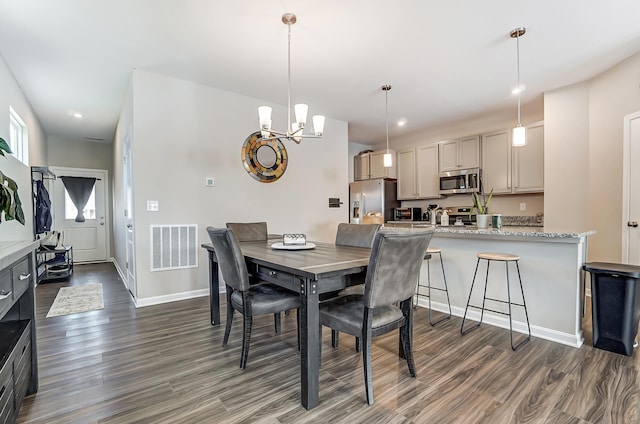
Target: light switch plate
[{"x": 152, "y": 206}]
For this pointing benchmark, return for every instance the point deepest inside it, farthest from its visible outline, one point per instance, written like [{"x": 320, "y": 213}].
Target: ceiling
[{"x": 445, "y": 60}]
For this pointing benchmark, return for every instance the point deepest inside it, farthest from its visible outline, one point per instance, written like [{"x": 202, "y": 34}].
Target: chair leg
[
  {"x": 526, "y": 339},
  {"x": 406, "y": 337},
  {"x": 227, "y": 328},
  {"x": 335, "y": 338},
  {"x": 246, "y": 339},
  {"x": 446, "y": 290},
  {"x": 464, "y": 331},
  {"x": 366, "y": 356},
  {"x": 276, "y": 322}
]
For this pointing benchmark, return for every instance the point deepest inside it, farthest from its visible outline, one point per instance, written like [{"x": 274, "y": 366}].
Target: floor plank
[{"x": 166, "y": 364}]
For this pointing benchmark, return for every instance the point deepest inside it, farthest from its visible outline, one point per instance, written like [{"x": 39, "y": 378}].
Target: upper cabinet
[
  {"x": 371, "y": 165},
  {"x": 418, "y": 173},
  {"x": 459, "y": 154},
  {"x": 507, "y": 169}
]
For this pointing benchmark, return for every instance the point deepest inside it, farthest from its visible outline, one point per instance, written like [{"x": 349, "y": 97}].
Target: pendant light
[
  {"x": 294, "y": 130},
  {"x": 387, "y": 159},
  {"x": 519, "y": 136}
]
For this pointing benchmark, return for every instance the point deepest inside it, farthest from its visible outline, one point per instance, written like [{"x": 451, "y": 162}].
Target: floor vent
[{"x": 174, "y": 247}]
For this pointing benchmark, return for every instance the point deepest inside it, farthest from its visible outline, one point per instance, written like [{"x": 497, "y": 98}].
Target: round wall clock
[{"x": 264, "y": 160}]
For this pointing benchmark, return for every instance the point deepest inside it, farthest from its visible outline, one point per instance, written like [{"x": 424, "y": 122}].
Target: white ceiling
[{"x": 445, "y": 60}]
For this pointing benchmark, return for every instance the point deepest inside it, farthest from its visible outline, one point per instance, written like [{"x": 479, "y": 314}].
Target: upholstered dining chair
[
  {"x": 248, "y": 299},
  {"x": 386, "y": 305},
  {"x": 254, "y": 231},
  {"x": 249, "y": 231},
  {"x": 355, "y": 235}
]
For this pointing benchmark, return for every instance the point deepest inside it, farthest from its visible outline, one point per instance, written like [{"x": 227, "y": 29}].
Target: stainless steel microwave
[{"x": 460, "y": 181}]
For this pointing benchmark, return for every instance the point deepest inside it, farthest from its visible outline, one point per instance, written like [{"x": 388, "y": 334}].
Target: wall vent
[{"x": 174, "y": 247}]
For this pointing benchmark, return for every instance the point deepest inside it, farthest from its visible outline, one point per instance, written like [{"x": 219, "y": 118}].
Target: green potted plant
[
  {"x": 10, "y": 204},
  {"x": 481, "y": 206}
]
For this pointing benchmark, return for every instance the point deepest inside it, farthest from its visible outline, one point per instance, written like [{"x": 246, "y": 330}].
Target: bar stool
[
  {"x": 506, "y": 258},
  {"x": 430, "y": 252}
]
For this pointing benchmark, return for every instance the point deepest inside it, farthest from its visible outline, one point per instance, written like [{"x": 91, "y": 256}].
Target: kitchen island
[{"x": 551, "y": 269}]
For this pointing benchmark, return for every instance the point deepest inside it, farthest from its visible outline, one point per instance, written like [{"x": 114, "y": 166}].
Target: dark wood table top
[{"x": 324, "y": 261}]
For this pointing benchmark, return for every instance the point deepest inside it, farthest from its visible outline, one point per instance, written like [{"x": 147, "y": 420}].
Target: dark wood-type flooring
[{"x": 166, "y": 364}]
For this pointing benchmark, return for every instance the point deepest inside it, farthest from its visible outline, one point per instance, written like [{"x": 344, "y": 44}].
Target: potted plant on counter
[
  {"x": 10, "y": 204},
  {"x": 481, "y": 205}
]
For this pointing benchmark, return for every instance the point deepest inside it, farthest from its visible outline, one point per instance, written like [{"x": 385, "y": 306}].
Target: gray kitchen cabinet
[
  {"x": 507, "y": 169},
  {"x": 459, "y": 153},
  {"x": 370, "y": 165},
  {"x": 418, "y": 173},
  {"x": 361, "y": 167},
  {"x": 528, "y": 162}
]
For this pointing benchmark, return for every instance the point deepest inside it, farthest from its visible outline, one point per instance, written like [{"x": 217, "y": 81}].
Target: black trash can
[{"x": 615, "y": 305}]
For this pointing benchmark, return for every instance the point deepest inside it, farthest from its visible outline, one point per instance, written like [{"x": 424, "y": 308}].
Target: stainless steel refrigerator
[{"x": 377, "y": 196}]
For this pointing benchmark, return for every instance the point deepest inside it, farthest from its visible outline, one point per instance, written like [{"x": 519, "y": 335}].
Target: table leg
[
  {"x": 214, "y": 291},
  {"x": 309, "y": 344}
]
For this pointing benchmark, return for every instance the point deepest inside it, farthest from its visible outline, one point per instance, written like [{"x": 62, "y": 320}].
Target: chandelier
[
  {"x": 294, "y": 129},
  {"x": 519, "y": 136}
]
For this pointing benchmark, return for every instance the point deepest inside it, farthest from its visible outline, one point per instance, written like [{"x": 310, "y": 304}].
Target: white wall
[
  {"x": 566, "y": 158},
  {"x": 583, "y": 139},
  {"x": 80, "y": 154},
  {"x": 184, "y": 132},
  {"x": 11, "y": 95}
]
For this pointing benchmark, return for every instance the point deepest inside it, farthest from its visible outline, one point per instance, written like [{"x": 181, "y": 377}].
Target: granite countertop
[{"x": 506, "y": 232}]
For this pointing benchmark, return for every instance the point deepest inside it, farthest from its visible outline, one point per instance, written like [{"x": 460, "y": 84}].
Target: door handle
[
  {"x": 129, "y": 226},
  {"x": 632, "y": 224},
  {"x": 24, "y": 276}
]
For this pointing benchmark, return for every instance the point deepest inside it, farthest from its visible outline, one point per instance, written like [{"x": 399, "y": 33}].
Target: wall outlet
[
  {"x": 209, "y": 182},
  {"x": 152, "y": 206},
  {"x": 523, "y": 206}
]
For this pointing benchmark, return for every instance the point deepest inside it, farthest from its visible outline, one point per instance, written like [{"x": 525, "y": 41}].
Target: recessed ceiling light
[
  {"x": 519, "y": 89},
  {"x": 402, "y": 122},
  {"x": 77, "y": 115}
]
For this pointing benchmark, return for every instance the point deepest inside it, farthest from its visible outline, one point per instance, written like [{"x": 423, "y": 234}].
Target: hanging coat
[{"x": 43, "y": 208}]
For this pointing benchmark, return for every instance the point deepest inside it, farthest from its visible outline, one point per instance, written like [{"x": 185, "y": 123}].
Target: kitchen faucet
[{"x": 434, "y": 214}]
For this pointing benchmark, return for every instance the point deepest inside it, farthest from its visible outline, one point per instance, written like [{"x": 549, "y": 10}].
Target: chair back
[
  {"x": 394, "y": 265},
  {"x": 249, "y": 231},
  {"x": 230, "y": 258},
  {"x": 357, "y": 235}
]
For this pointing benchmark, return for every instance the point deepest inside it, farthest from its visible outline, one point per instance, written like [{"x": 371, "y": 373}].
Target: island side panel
[{"x": 550, "y": 269}]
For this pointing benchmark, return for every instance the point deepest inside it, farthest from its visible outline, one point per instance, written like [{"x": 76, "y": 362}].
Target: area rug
[{"x": 77, "y": 299}]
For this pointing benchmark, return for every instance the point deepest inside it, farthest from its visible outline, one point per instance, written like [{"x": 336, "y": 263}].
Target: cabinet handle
[
  {"x": 632, "y": 224},
  {"x": 272, "y": 273},
  {"x": 24, "y": 276},
  {"x": 4, "y": 295}
]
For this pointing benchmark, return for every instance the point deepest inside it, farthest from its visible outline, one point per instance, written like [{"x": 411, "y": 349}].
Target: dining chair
[
  {"x": 386, "y": 305},
  {"x": 254, "y": 231},
  {"x": 355, "y": 235},
  {"x": 249, "y": 231},
  {"x": 248, "y": 299}
]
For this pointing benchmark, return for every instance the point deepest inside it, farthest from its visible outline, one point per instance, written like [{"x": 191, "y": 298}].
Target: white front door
[
  {"x": 88, "y": 238},
  {"x": 631, "y": 191}
]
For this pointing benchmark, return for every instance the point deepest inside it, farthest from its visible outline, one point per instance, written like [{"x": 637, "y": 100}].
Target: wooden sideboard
[{"x": 18, "y": 352}]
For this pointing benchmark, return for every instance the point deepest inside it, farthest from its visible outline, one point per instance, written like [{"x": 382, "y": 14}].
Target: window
[
  {"x": 70, "y": 210},
  {"x": 18, "y": 137}
]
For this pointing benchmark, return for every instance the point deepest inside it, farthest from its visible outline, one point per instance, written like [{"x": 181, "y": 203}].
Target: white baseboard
[
  {"x": 148, "y": 301},
  {"x": 573, "y": 340}
]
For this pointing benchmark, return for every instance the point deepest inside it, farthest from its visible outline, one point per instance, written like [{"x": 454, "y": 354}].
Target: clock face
[{"x": 264, "y": 159}]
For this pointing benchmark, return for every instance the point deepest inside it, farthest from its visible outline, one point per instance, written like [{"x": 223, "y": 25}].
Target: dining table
[{"x": 313, "y": 270}]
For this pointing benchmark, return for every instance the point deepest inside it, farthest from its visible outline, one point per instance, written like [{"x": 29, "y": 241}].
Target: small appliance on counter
[
  {"x": 459, "y": 215},
  {"x": 426, "y": 216},
  {"x": 407, "y": 214}
]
